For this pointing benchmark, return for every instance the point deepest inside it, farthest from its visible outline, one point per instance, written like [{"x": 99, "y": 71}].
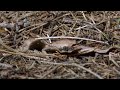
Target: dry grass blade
[
  {"x": 71, "y": 64},
  {"x": 26, "y": 15},
  {"x": 61, "y": 16},
  {"x": 49, "y": 39},
  {"x": 30, "y": 55},
  {"x": 35, "y": 26},
  {"x": 85, "y": 44},
  {"x": 7, "y": 47},
  {"x": 84, "y": 15},
  {"x": 73, "y": 23},
  {"x": 111, "y": 59},
  {"x": 88, "y": 70},
  {"x": 82, "y": 27},
  {"x": 32, "y": 65},
  {"x": 118, "y": 72},
  {"x": 92, "y": 19},
  {"x": 63, "y": 37},
  {"x": 94, "y": 26},
  {"x": 71, "y": 71},
  {"x": 5, "y": 65},
  {"x": 48, "y": 72}
]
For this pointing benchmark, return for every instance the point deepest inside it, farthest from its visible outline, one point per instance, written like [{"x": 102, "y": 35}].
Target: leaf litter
[{"x": 59, "y": 44}]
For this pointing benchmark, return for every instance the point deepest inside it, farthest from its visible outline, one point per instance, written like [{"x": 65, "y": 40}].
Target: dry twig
[
  {"x": 48, "y": 72},
  {"x": 71, "y": 64},
  {"x": 66, "y": 37},
  {"x": 5, "y": 65},
  {"x": 111, "y": 59}
]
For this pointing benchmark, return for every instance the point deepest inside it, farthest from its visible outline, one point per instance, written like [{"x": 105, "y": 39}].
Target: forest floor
[{"x": 59, "y": 44}]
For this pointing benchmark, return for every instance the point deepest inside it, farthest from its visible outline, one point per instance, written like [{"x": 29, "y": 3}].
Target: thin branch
[
  {"x": 61, "y": 16},
  {"x": 82, "y": 27},
  {"x": 84, "y": 15},
  {"x": 111, "y": 59},
  {"x": 118, "y": 72},
  {"x": 66, "y": 37},
  {"x": 49, "y": 39}
]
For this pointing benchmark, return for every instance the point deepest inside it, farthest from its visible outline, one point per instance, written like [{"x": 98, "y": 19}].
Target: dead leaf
[
  {"x": 83, "y": 49},
  {"x": 61, "y": 45}
]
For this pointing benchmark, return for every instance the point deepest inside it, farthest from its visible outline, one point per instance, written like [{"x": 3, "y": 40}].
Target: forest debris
[
  {"x": 72, "y": 64},
  {"x": 62, "y": 46},
  {"x": 75, "y": 38},
  {"x": 62, "y": 43},
  {"x": 83, "y": 27},
  {"x": 15, "y": 25},
  {"x": 112, "y": 59},
  {"x": 115, "y": 23},
  {"x": 5, "y": 65},
  {"x": 7, "y": 47}
]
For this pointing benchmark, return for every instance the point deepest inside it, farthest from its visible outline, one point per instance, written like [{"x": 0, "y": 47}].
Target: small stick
[
  {"x": 82, "y": 27},
  {"x": 84, "y": 15},
  {"x": 92, "y": 19},
  {"x": 49, "y": 39},
  {"x": 61, "y": 16},
  {"x": 111, "y": 59},
  {"x": 62, "y": 37},
  {"x": 37, "y": 25},
  {"x": 118, "y": 72},
  {"x": 31, "y": 66}
]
